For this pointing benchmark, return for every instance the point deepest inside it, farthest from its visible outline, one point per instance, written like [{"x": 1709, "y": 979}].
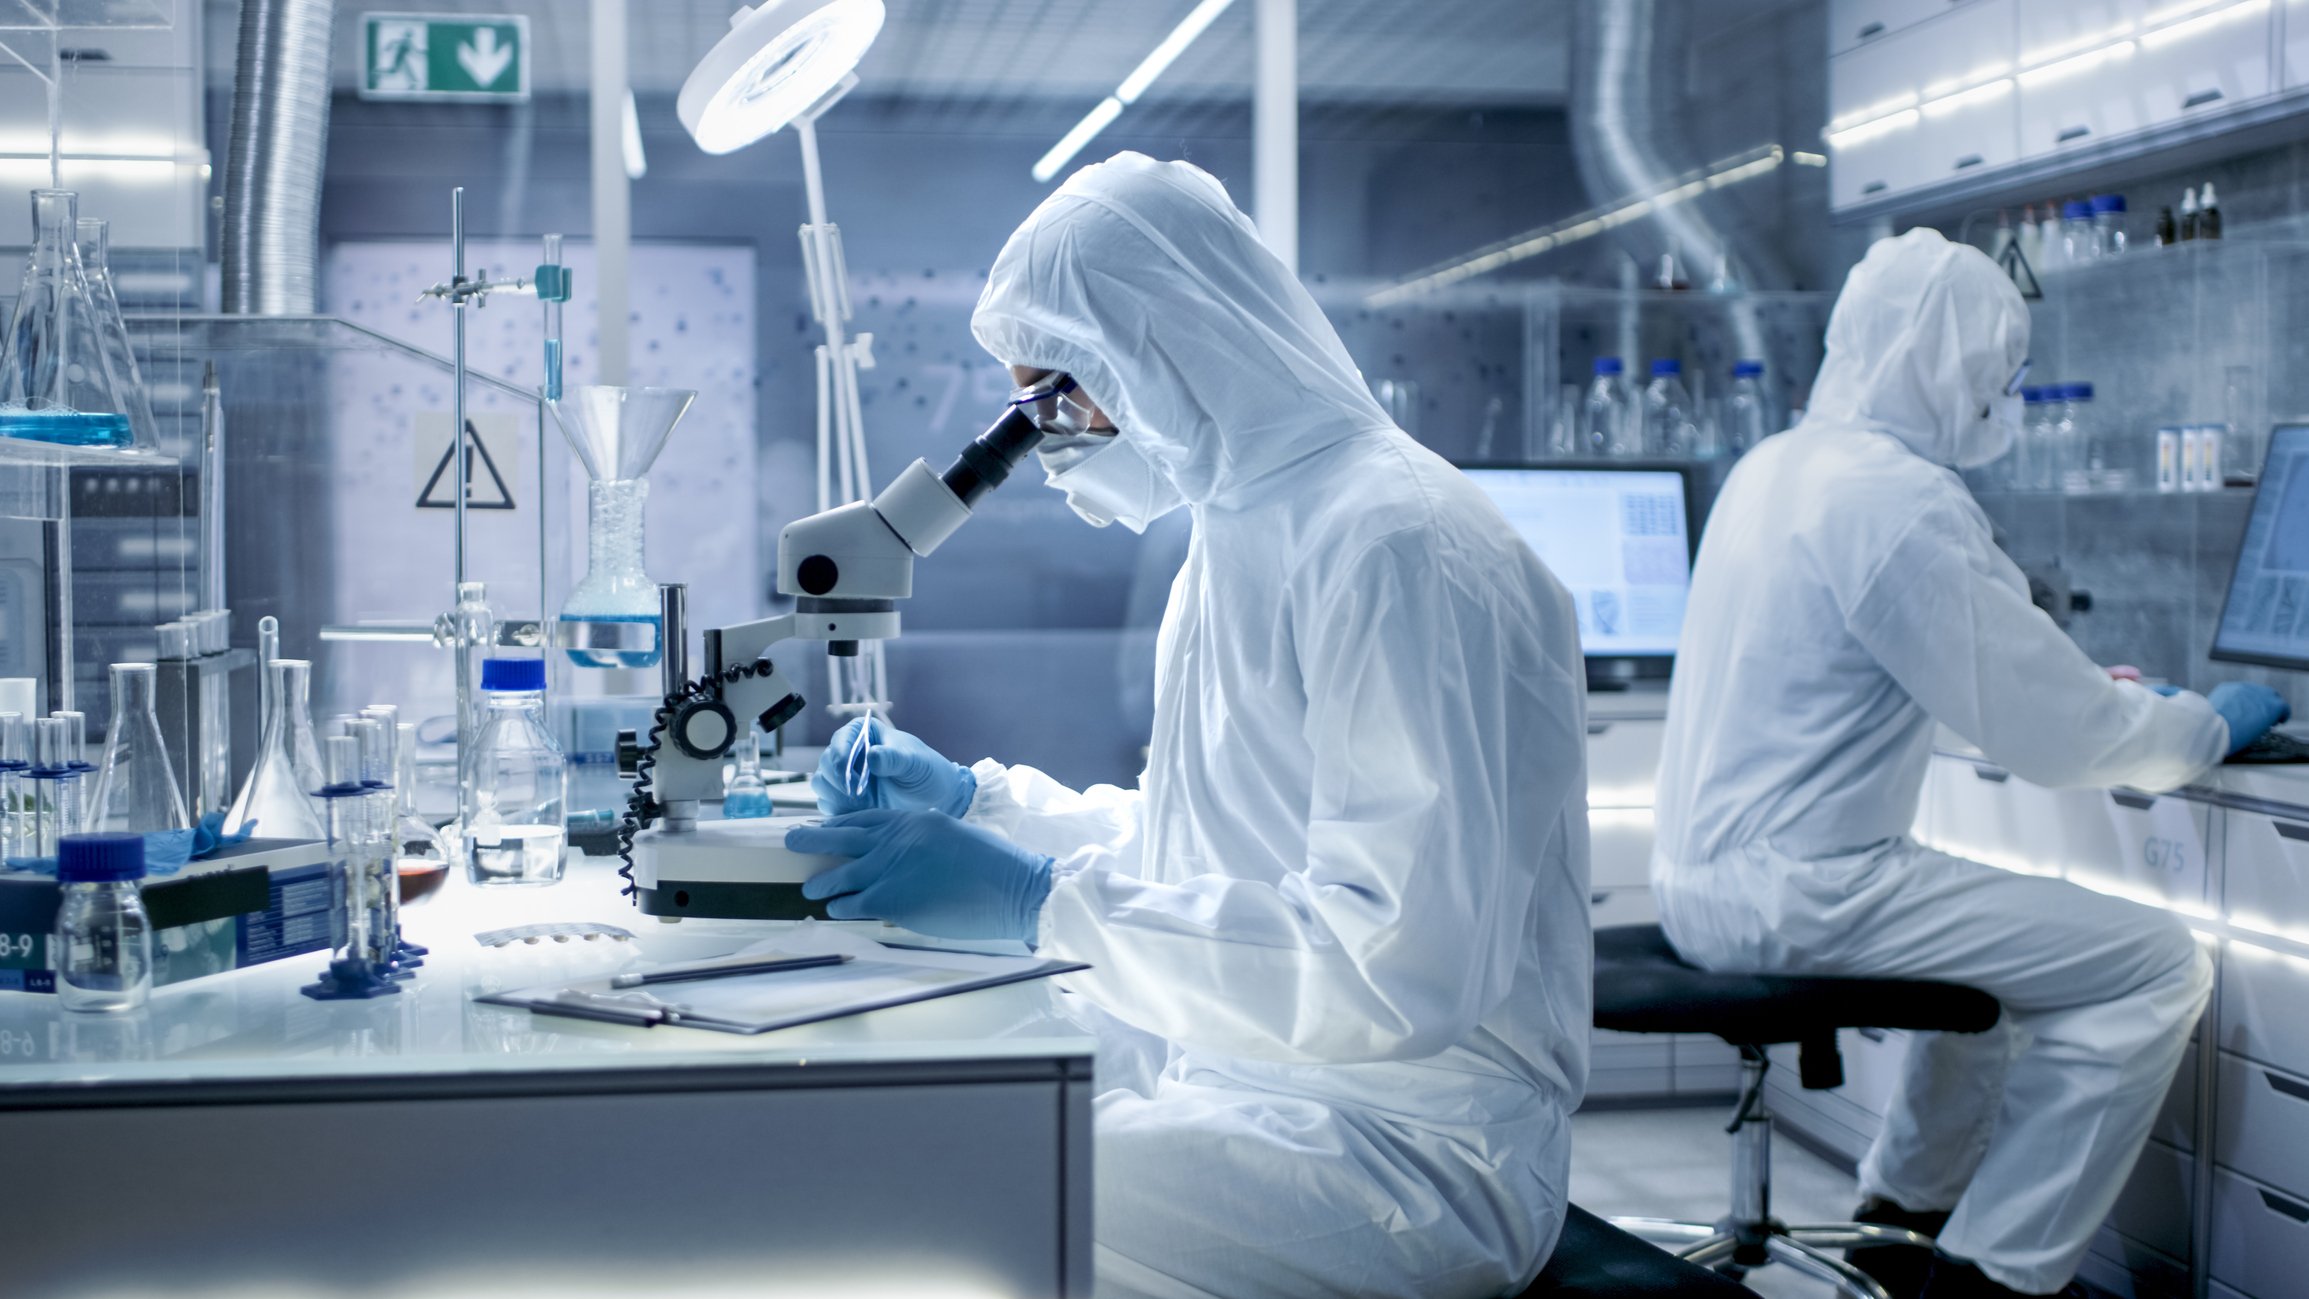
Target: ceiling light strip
[
  {"x": 1157, "y": 61},
  {"x": 1584, "y": 225}
]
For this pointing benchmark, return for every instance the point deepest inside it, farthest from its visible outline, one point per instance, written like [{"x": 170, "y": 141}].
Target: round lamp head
[{"x": 777, "y": 61}]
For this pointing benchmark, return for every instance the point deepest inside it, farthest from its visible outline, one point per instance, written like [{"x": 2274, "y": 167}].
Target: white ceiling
[{"x": 970, "y": 53}]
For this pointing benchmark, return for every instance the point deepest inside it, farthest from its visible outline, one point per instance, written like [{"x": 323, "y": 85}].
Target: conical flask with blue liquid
[{"x": 617, "y": 433}]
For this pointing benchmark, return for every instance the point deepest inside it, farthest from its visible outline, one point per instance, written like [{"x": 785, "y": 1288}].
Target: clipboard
[{"x": 877, "y": 976}]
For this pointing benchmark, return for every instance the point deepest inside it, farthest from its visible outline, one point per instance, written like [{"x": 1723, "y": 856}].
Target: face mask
[
  {"x": 1106, "y": 481},
  {"x": 1999, "y": 428}
]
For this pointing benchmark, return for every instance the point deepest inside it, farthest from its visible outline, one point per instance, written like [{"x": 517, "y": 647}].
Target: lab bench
[
  {"x": 2219, "y": 1204},
  {"x": 238, "y": 1135}
]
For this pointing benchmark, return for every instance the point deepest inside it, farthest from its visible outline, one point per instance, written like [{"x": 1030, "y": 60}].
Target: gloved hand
[
  {"x": 928, "y": 872},
  {"x": 2167, "y": 689},
  {"x": 901, "y": 774},
  {"x": 2249, "y": 709},
  {"x": 208, "y": 837}
]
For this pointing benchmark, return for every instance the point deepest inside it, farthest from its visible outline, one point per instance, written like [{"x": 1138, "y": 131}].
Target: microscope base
[{"x": 727, "y": 870}]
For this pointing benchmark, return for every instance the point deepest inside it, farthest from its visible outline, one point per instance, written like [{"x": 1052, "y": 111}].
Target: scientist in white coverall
[
  {"x": 1338, "y": 935},
  {"x": 1847, "y": 598}
]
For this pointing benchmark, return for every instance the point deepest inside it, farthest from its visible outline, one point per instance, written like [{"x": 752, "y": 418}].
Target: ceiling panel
[{"x": 975, "y": 54}]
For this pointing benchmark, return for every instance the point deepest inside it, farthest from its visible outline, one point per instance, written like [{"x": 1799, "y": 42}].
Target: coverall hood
[
  {"x": 1142, "y": 280},
  {"x": 1921, "y": 345}
]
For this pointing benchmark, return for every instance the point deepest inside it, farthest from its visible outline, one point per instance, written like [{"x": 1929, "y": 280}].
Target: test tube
[
  {"x": 15, "y": 760},
  {"x": 345, "y": 805},
  {"x": 55, "y": 787},
  {"x": 552, "y": 303},
  {"x": 380, "y": 890},
  {"x": 76, "y": 726}
]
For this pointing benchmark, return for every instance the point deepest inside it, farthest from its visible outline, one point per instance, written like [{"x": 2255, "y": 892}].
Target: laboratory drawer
[
  {"x": 2127, "y": 1269},
  {"x": 2262, "y": 1124},
  {"x": 2135, "y": 844},
  {"x": 1873, "y": 1060},
  {"x": 2177, "y": 1121},
  {"x": 1706, "y": 1064},
  {"x": 2262, "y": 995},
  {"x": 1623, "y": 760},
  {"x": 2265, "y": 871},
  {"x": 1981, "y": 811},
  {"x": 1622, "y": 906},
  {"x": 1854, "y": 23},
  {"x": 2260, "y": 1238},
  {"x": 1619, "y": 847},
  {"x": 2158, "y": 1205},
  {"x": 2202, "y": 65}
]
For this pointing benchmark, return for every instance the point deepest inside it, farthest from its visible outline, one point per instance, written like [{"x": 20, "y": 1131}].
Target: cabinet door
[
  {"x": 1956, "y": 71},
  {"x": 1854, "y": 23},
  {"x": 2260, "y": 1241},
  {"x": 2203, "y": 64},
  {"x": 2077, "y": 95},
  {"x": 2262, "y": 1128},
  {"x": 2155, "y": 848},
  {"x": 2265, "y": 871},
  {"x": 1623, "y": 761},
  {"x": 2157, "y": 1206}
]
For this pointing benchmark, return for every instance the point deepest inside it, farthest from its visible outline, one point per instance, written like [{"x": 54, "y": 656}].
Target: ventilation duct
[{"x": 280, "y": 133}]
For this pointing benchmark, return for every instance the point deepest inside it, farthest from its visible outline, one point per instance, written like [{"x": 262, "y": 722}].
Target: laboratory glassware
[
  {"x": 54, "y": 795},
  {"x": 135, "y": 790},
  {"x": 2108, "y": 225},
  {"x": 2209, "y": 215},
  {"x": 373, "y": 738},
  {"x": 748, "y": 797},
  {"x": 420, "y": 858},
  {"x": 92, "y": 239},
  {"x": 2076, "y": 233},
  {"x": 617, "y": 433},
  {"x": 15, "y": 761},
  {"x": 518, "y": 830},
  {"x": 76, "y": 740},
  {"x": 102, "y": 946},
  {"x": 1605, "y": 424},
  {"x": 1668, "y": 427},
  {"x": 351, "y": 975},
  {"x": 277, "y": 798},
  {"x": 1747, "y": 409},
  {"x": 2188, "y": 215},
  {"x": 55, "y": 384}
]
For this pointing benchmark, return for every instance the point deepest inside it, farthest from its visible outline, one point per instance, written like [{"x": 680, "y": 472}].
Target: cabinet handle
[
  {"x": 1874, "y": 187},
  {"x": 2293, "y": 830},
  {"x": 1598, "y": 899},
  {"x": 1872, "y": 1034},
  {"x": 2284, "y": 1086},
  {"x": 2137, "y": 802},
  {"x": 1968, "y": 160},
  {"x": 2201, "y": 98},
  {"x": 1871, "y": 31},
  {"x": 2072, "y": 133},
  {"x": 1598, "y": 728},
  {"x": 1993, "y": 775},
  {"x": 2293, "y": 1209}
]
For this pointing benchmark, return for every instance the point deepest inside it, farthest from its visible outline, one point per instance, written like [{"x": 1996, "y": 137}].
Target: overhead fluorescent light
[
  {"x": 1586, "y": 225},
  {"x": 2188, "y": 27},
  {"x": 1152, "y": 66},
  {"x": 1867, "y": 131}
]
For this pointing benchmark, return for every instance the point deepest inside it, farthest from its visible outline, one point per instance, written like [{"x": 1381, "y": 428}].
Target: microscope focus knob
[
  {"x": 628, "y": 753},
  {"x": 703, "y": 728}
]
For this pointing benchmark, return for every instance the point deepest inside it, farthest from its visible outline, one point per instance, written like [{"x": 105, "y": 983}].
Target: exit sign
[{"x": 473, "y": 57}]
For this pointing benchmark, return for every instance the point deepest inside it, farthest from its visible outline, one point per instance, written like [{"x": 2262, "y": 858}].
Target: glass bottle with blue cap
[
  {"x": 102, "y": 947},
  {"x": 520, "y": 826}
]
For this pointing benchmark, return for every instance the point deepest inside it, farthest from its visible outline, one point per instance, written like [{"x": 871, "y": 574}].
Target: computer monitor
[
  {"x": 2265, "y": 619},
  {"x": 1619, "y": 535}
]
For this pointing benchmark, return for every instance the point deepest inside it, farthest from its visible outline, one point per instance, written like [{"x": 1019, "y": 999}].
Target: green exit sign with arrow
[{"x": 473, "y": 57}]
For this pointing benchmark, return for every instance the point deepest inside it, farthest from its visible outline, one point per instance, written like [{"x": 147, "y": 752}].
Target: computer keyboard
[{"x": 2272, "y": 747}]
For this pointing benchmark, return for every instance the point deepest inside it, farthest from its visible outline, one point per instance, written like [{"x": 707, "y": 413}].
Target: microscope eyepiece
[{"x": 988, "y": 460}]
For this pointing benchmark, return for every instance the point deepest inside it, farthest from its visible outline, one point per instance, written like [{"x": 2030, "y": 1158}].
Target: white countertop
[
  {"x": 2285, "y": 784},
  {"x": 252, "y": 1025}
]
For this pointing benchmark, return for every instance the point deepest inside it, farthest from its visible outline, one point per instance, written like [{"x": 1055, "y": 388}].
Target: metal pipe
[
  {"x": 212, "y": 586},
  {"x": 673, "y": 624},
  {"x": 612, "y": 189},
  {"x": 457, "y": 360},
  {"x": 280, "y": 135},
  {"x": 1275, "y": 129}
]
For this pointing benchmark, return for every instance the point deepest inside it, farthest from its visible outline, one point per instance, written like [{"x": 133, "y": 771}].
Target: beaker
[
  {"x": 420, "y": 858},
  {"x": 54, "y": 790},
  {"x": 92, "y": 239},
  {"x": 136, "y": 790},
  {"x": 55, "y": 384},
  {"x": 277, "y": 798},
  {"x": 15, "y": 798},
  {"x": 617, "y": 434}
]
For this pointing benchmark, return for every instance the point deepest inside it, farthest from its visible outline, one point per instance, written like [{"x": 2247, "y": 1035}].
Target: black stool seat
[
  {"x": 1642, "y": 986},
  {"x": 1595, "y": 1260}
]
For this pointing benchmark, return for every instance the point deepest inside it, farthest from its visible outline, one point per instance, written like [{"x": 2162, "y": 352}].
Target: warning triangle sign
[
  {"x": 485, "y": 487},
  {"x": 2016, "y": 265}
]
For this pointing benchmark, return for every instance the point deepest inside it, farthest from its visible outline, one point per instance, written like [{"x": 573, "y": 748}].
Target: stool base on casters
[{"x": 1750, "y": 1237}]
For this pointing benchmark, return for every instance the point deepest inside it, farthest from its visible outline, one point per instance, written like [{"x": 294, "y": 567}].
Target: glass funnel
[
  {"x": 93, "y": 240},
  {"x": 136, "y": 790},
  {"x": 55, "y": 384},
  {"x": 277, "y": 798},
  {"x": 617, "y": 433}
]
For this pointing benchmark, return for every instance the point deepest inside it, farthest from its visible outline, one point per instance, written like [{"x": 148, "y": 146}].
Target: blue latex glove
[
  {"x": 928, "y": 872},
  {"x": 2249, "y": 709},
  {"x": 209, "y": 836},
  {"x": 167, "y": 851},
  {"x": 901, "y": 774},
  {"x": 2167, "y": 691}
]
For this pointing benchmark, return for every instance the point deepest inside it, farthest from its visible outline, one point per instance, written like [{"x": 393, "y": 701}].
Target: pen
[{"x": 763, "y": 965}]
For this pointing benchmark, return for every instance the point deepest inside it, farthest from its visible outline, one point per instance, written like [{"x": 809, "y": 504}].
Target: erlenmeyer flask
[
  {"x": 55, "y": 385},
  {"x": 93, "y": 240},
  {"x": 276, "y": 800},
  {"x": 136, "y": 790}
]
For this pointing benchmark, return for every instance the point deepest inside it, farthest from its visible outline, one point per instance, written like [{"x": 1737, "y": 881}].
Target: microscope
[{"x": 846, "y": 569}]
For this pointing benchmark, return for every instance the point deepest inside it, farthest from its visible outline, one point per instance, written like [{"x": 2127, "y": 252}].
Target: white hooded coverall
[
  {"x": 1847, "y": 597},
  {"x": 1338, "y": 934}
]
